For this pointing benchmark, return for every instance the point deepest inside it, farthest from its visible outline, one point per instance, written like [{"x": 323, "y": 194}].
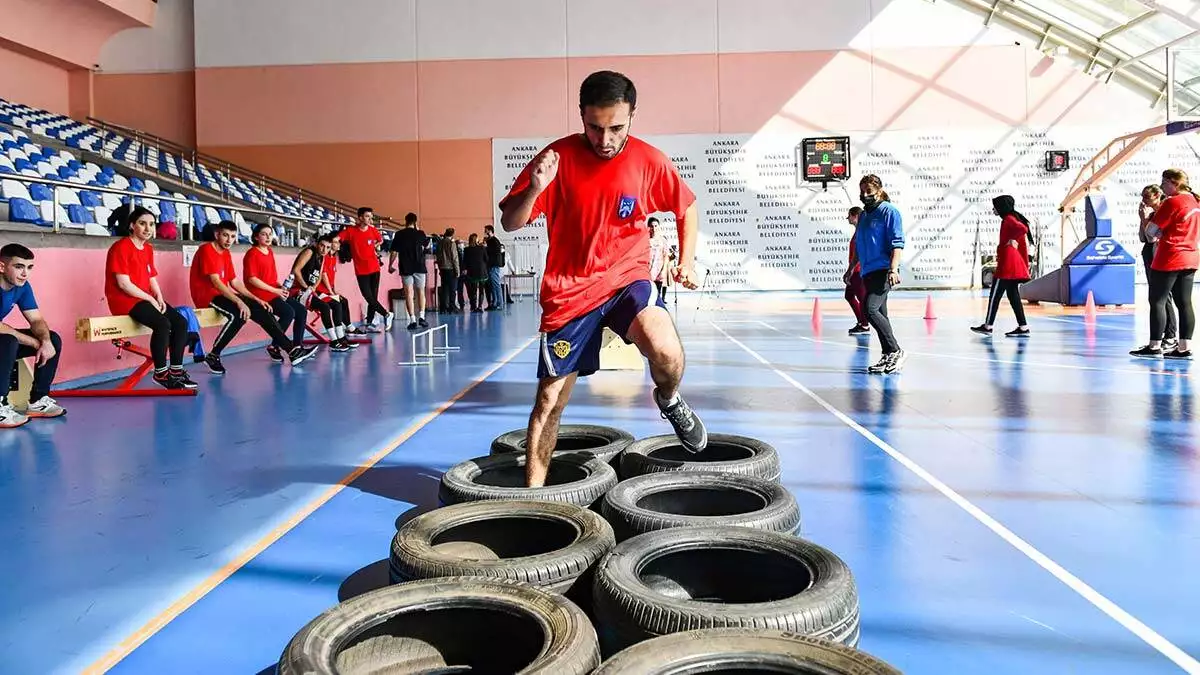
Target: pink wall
[
  {"x": 27, "y": 80},
  {"x": 69, "y": 284},
  {"x": 68, "y": 30}
]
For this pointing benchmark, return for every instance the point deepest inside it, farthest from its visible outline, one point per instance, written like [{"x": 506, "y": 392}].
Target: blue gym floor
[{"x": 1006, "y": 506}]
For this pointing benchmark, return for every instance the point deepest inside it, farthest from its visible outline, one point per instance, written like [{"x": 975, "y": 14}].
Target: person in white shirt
[{"x": 658, "y": 258}]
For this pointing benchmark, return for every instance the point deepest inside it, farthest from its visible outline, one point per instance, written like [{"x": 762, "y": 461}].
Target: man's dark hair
[
  {"x": 259, "y": 228},
  {"x": 449, "y": 232},
  {"x": 327, "y": 237},
  {"x": 652, "y": 222},
  {"x": 489, "y": 228},
  {"x": 855, "y": 210},
  {"x": 11, "y": 251},
  {"x": 410, "y": 218},
  {"x": 227, "y": 225},
  {"x": 607, "y": 88},
  {"x": 363, "y": 210}
]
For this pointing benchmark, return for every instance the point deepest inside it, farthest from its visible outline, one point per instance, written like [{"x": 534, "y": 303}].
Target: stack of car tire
[{"x": 636, "y": 558}]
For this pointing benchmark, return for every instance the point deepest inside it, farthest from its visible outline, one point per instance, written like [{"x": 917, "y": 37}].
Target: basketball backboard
[{"x": 1183, "y": 84}]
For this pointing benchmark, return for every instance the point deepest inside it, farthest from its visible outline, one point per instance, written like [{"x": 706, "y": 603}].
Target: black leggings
[
  {"x": 234, "y": 323},
  {"x": 368, "y": 284},
  {"x": 877, "y": 290},
  {"x": 1178, "y": 286},
  {"x": 167, "y": 329},
  {"x": 1171, "y": 330},
  {"x": 330, "y": 312},
  {"x": 1001, "y": 288},
  {"x": 290, "y": 313},
  {"x": 11, "y": 349}
]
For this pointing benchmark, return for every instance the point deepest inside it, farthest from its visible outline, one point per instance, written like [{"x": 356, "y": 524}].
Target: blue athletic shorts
[{"x": 575, "y": 348}]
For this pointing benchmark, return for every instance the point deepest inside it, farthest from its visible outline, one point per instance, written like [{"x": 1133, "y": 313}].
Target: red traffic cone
[
  {"x": 1089, "y": 309},
  {"x": 816, "y": 315},
  {"x": 929, "y": 307}
]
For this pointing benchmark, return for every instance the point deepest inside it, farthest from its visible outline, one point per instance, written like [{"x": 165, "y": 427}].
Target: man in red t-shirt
[
  {"x": 597, "y": 190},
  {"x": 214, "y": 283},
  {"x": 131, "y": 287},
  {"x": 364, "y": 240}
]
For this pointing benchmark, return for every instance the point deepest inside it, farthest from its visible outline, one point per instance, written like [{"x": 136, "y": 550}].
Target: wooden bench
[
  {"x": 21, "y": 383},
  {"x": 119, "y": 330}
]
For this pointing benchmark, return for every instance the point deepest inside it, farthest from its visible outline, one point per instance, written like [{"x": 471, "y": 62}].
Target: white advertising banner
[{"x": 759, "y": 231}]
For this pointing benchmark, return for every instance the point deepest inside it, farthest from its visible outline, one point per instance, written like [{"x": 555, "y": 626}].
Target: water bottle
[{"x": 287, "y": 283}]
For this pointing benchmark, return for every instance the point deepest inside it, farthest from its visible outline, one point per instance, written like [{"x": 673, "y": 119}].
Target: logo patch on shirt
[{"x": 625, "y": 206}]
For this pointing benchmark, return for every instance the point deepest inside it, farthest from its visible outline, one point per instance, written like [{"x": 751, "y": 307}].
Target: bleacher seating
[{"x": 88, "y": 211}]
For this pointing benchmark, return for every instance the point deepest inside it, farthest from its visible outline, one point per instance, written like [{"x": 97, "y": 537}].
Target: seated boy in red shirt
[{"x": 214, "y": 283}]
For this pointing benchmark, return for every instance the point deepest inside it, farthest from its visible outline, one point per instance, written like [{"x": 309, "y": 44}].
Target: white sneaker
[
  {"x": 387, "y": 322},
  {"x": 10, "y": 418},
  {"x": 45, "y": 407}
]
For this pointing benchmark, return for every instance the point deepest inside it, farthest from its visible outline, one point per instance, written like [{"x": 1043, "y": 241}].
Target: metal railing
[
  {"x": 297, "y": 225},
  {"x": 218, "y": 166}
]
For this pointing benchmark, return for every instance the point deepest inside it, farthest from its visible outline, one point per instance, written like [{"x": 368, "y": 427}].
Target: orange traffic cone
[
  {"x": 929, "y": 307},
  {"x": 1089, "y": 309}
]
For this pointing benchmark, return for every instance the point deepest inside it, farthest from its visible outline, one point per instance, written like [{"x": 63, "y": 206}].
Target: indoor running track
[{"x": 1006, "y": 506}]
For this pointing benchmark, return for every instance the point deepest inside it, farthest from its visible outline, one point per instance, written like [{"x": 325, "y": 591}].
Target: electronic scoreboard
[{"x": 823, "y": 160}]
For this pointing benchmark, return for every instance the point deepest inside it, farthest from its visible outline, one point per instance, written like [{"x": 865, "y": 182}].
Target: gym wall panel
[
  {"x": 676, "y": 94},
  {"x": 163, "y": 104},
  {"x": 480, "y": 99},
  {"x": 338, "y": 103},
  {"x": 920, "y": 23},
  {"x": 27, "y": 80},
  {"x": 168, "y": 46},
  {"x": 787, "y": 26},
  {"x": 942, "y": 87},
  {"x": 67, "y": 30},
  {"x": 636, "y": 27},
  {"x": 1058, "y": 93},
  {"x": 297, "y": 32},
  {"x": 795, "y": 90},
  {"x": 455, "y": 186},
  {"x": 469, "y": 29}
]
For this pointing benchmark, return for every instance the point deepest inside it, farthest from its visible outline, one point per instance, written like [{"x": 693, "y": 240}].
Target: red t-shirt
[
  {"x": 261, "y": 266},
  {"x": 596, "y": 211},
  {"x": 1012, "y": 263},
  {"x": 208, "y": 261},
  {"x": 1179, "y": 219},
  {"x": 362, "y": 245},
  {"x": 329, "y": 268},
  {"x": 125, "y": 258},
  {"x": 852, "y": 257}
]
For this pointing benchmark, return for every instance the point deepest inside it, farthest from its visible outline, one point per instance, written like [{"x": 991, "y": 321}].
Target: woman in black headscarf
[{"x": 1012, "y": 265}]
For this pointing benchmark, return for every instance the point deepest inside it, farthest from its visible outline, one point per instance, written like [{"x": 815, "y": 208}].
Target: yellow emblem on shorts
[{"x": 562, "y": 348}]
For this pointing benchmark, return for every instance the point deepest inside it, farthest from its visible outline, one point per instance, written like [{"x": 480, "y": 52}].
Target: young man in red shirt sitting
[
  {"x": 364, "y": 241},
  {"x": 597, "y": 190},
  {"x": 131, "y": 287},
  {"x": 214, "y": 283},
  {"x": 262, "y": 280}
]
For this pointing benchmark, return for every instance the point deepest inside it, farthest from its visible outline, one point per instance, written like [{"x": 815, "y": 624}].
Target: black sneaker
[
  {"x": 1169, "y": 344},
  {"x": 859, "y": 330},
  {"x": 981, "y": 329},
  {"x": 422, "y": 323},
  {"x": 275, "y": 353},
  {"x": 1018, "y": 332},
  {"x": 688, "y": 427},
  {"x": 181, "y": 375},
  {"x": 168, "y": 381},
  {"x": 214, "y": 364},
  {"x": 895, "y": 361},
  {"x": 412, "y": 326},
  {"x": 339, "y": 346},
  {"x": 300, "y": 354},
  {"x": 880, "y": 365},
  {"x": 1147, "y": 352},
  {"x": 1176, "y": 354}
]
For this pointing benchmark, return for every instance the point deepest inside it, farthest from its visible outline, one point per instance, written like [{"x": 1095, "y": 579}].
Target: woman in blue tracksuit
[{"x": 879, "y": 239}]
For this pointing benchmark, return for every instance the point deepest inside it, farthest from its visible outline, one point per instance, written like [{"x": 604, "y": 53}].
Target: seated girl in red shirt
[
  {"x": 131, "y": 287},
  {"x": 262, "y": 280}
]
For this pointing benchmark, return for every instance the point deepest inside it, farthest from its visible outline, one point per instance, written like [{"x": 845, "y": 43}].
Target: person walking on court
[
  {"x": 1012, "y": 266},
  {"x": 879, "y": 242},
  {"x": 1152, "y": 197},
  {"x": 597, "y": 189},
  {"x": 1176, "y": 223},
  {"x": 363, "y": 240},
  {"x": 856, "y": 292},
  {"x": 409, "y": 246}
]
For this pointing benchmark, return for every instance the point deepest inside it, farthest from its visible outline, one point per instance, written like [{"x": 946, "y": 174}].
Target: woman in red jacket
[
  {"x": 1012, "y": 265},
  {"x": 1176, "y": 223}
]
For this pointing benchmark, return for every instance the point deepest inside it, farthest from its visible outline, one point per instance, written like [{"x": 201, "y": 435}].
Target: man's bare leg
[
  {"x": 542, "y": 432},
  {"x": 654, "y": 333}
]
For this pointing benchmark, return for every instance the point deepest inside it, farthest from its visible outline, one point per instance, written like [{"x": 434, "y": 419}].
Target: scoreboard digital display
[{"x": 824, "y": 160}]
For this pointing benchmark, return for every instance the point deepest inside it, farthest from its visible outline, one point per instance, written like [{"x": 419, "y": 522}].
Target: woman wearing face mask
[
  {"x": 1012, "y": 265},
  {"x": 1152, "y": 197},
  {"x": 1176, "y": 223},
  {"x": 878, "y": 241}
]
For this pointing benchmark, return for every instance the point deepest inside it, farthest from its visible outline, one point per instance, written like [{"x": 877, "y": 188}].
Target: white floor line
[
  {"x": 980, "y": 359},
  {"x": 1131, "y": 623}
]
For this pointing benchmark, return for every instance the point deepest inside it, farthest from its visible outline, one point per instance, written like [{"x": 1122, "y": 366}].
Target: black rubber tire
[
  {"x": 725, "y": 453},
  {"x": 658, "y": 501},
  {"x": 573, "y": 478},
  {"x": 490, "y": 625},
  {"x": 551, "y": 545},
  {"x": 750, "y": 649},
  {"x": 645, "y": 587},
  {"x": 603, "y": 442}
]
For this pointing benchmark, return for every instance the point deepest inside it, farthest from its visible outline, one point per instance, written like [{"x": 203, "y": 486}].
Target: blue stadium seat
[
  {"x": 79, "y": 214},
  {"x": 22, "y": 210},
  {"x": 89, "y": 198}
]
